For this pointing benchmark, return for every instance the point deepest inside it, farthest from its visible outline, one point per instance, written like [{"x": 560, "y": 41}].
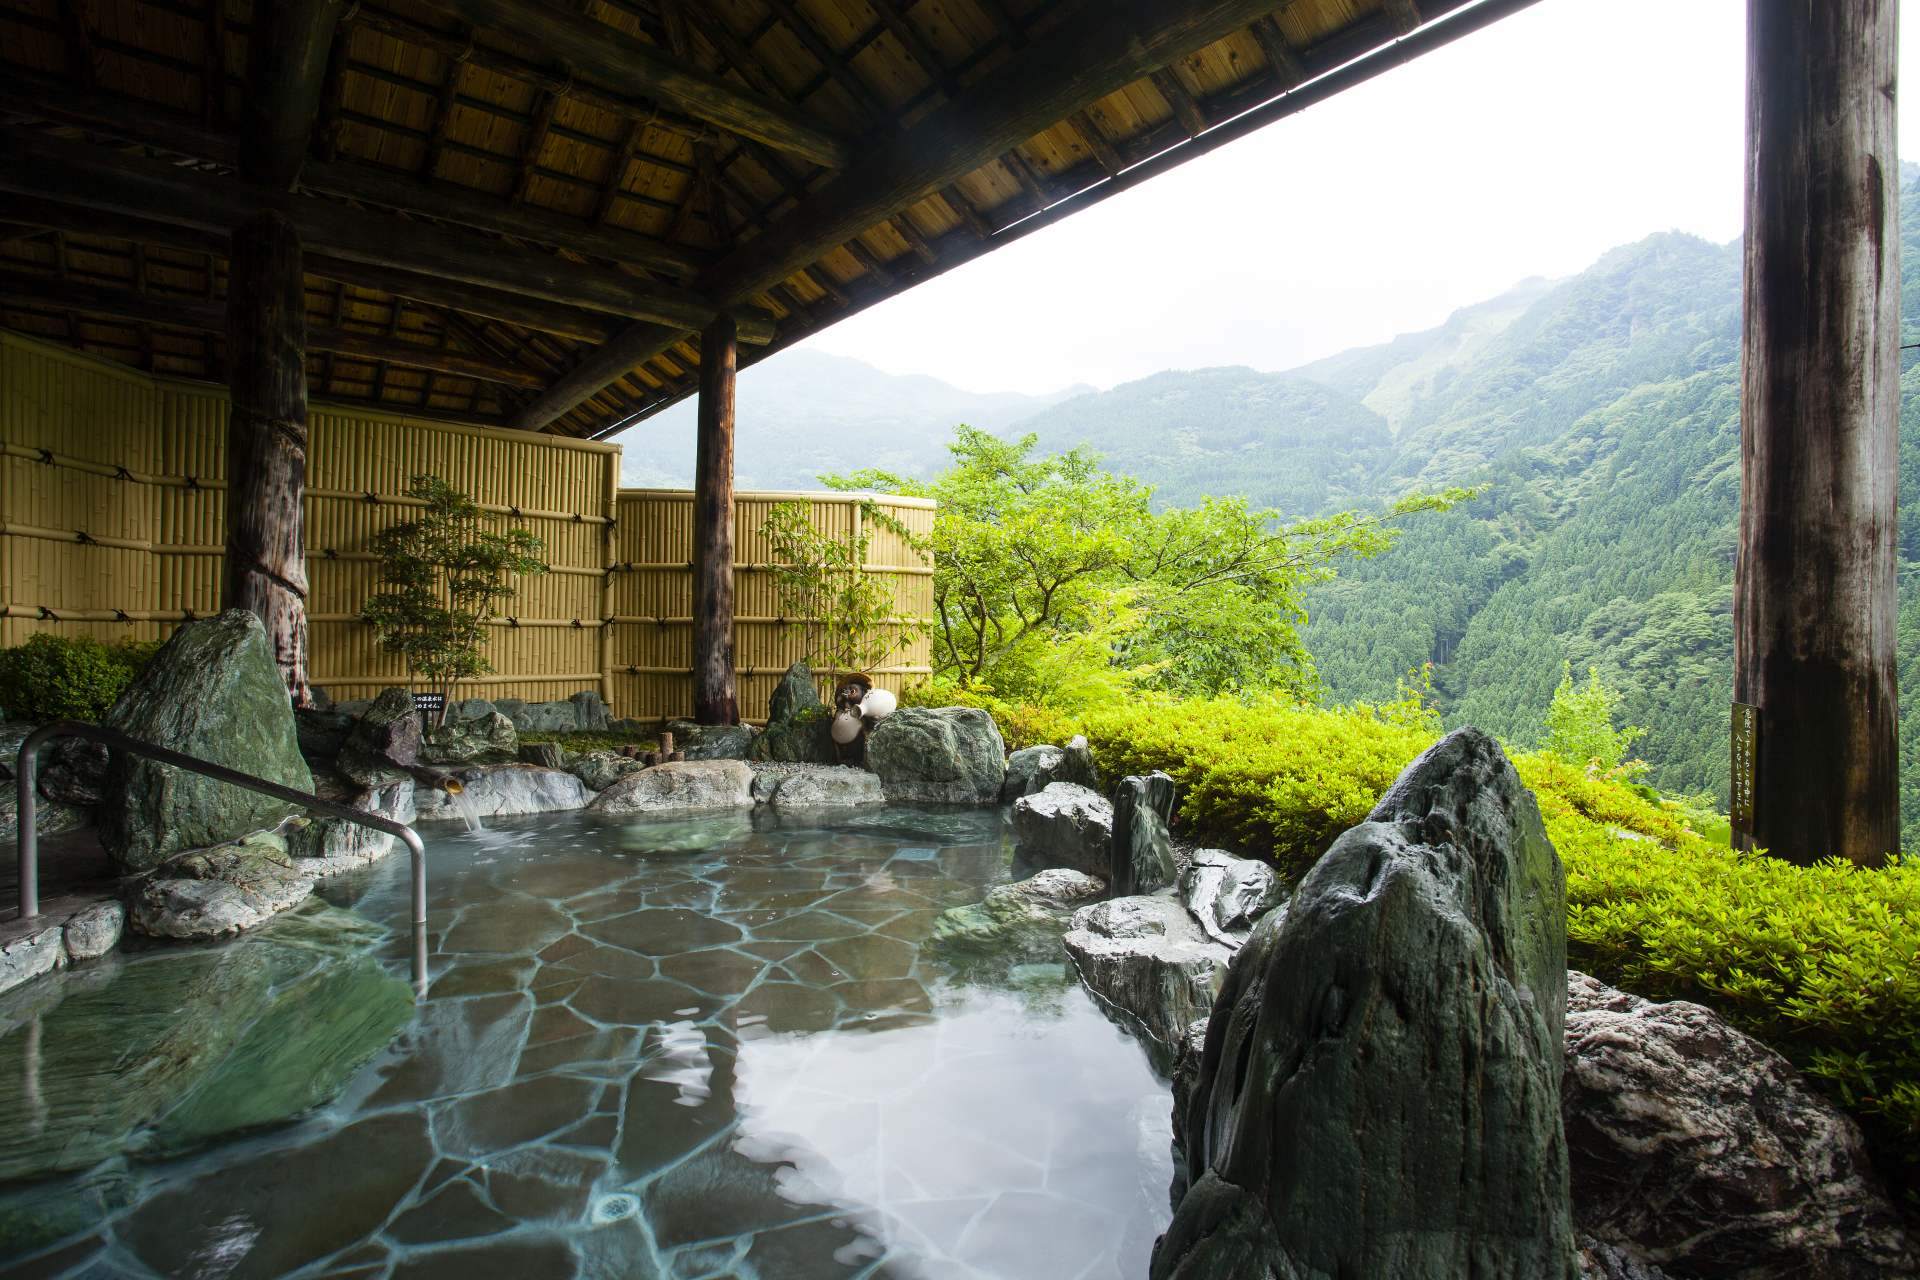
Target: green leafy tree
[
  {"x": 443, "y": 577},
  {"x": 845, "y": 619},
  {"x": 1580, "y": 725},
  {"x": 1052, "y": 574}
]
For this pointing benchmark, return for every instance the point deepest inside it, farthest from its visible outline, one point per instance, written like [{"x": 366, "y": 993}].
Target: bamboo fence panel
[
  {"x": 653, "y": 594},
  {"x": 112, "y": 523}
]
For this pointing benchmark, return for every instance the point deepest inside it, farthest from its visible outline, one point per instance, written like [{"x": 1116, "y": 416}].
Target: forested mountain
[
  {"x": 805, "y": 412},
  {"x": 1602, "y": 414}
]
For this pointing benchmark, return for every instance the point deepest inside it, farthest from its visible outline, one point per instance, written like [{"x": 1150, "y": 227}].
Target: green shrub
[
  {"x": 1020, "y": 724},
  {"x": 54, "y": 677},
  {"x": 1820, "y": 963}
]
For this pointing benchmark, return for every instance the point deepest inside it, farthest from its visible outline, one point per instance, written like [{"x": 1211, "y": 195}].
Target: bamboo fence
[{"x": 112, "y": 518}]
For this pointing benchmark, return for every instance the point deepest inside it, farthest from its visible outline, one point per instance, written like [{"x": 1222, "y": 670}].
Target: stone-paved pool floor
[{"x": 666, "y": 1048}]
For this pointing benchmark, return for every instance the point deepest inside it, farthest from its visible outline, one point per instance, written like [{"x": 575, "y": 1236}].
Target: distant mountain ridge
[{"x": 806, "y": 413}]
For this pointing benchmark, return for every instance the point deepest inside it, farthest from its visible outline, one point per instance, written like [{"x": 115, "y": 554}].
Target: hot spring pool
[{"x": 714, "y": 1047}]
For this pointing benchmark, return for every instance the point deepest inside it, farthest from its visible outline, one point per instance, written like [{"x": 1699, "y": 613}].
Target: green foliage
[
  {"x": 1056, "y": 581},
  {"x": 585, "y": 740},
  {"x": 1821, "y": 963},
  {"x": 1580, "y": 725},
  {"x": 54, "y": 677},
  {"x": 844, "y": 618},
  {"x": 444, "y": 576},
  {"x": 1021, "y": 724}
]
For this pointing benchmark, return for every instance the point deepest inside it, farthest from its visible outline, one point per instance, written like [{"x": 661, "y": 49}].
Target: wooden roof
[{"x": 522, "y": 211}]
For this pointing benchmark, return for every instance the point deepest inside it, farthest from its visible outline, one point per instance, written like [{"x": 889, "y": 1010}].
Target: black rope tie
[
  {"x": 120, "y": 615},
  {"x": 46, "y": 457},
  {"x": 48, "y": 615},
  {"x": 513, "y": 624},
  {"x": 187, "y": 615},
  {"x": 84, "y": 538},
  {"x": 193, "y": 483},
  {"x": 121, "y": 473},
  {"x": 576, "y": 624},
  {"x": 514, "y": 512},
  {"x": 331, "y": 554}
]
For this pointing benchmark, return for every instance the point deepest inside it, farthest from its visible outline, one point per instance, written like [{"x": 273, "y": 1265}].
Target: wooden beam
[
  {"x": 286, "y": 69},
  {"x": 1287, "y": 68},
  {"x": 628, "y": 65},
  {"x": 714, "y": 698},
  {"x": 1095, "y": 51},
  {"x": 1405, "y": 15},
  {"x": 1816, "y": 580},
  {"x": 265, "y": 568},
  {"x": 1185, "y": 109},
  {"x": 92, "y": 177},
  {"x": 44, "y": 293},
  {"x": 467, "y": 207}
]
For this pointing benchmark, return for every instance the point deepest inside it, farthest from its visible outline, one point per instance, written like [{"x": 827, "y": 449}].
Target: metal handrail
[{"x": 26, "y": 780}]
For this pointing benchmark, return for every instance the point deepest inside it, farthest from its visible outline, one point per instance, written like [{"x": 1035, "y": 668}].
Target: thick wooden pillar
[
  {"x": 1815, "y": 587},
  {"x": 267, "y": 438},
  {"x": 714, "y": 699}
]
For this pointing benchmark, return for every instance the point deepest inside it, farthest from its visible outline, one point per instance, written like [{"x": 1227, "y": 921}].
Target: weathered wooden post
[
  {"x": 266, "y": 569},
  {"x": 1815, "y": 587},
  {"x": 714, "y": 700}
]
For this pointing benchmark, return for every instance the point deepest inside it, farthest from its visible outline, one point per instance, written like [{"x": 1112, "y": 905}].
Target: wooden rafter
[
  {"x": 1185, "y": 109},
  {"x": 75, "y": 174},
  {"x": 287, "y": 63},
  {"x": 1280, "y": 56},
  {"x": 1405, "y": 15},
  {"x": 629, "y": 65},
  {"x": 1092, "y": 53}
]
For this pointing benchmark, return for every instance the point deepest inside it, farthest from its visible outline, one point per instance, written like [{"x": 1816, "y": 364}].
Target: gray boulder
[
  {"x": 1379, "y": 1093},
  {"x": 944, "y": 755},
  {"x": 384, "y": 741},
  {"x": 590, "y": 713},
  {"x": 712, "y": 741},
  {"x": 505, "y": 791},
  {"x": 328, "y": 846},
  {"x": 1228, "y": 895},
  {"x": 1065, "y": 825},
  {"x": 689, "y": 784},
  {"x": 322, "y": 734},
  {"x": 48, "y": 818},
  {"x": 216, "y": 892},
  {"x": 1146, "y": 960},
  {"x": 601, "y": 769},
  {"x": 1141, "y": 857},
  {"x": 213, "y": 691},
  {"x": 491, "y": 737},
  {"x": 818, "y": 786},
  {"x": 1697, "y": 1148},
  {"x": 805, "y": 737},
  {"x": 73, "y": 772},
  {"x": 1032, "y": 769},
  {"x": 1016, "y": 923},
  {"x": 31, "y": 955},
  {"x": 93, "y": 931},
  {"x": 547, "y": 755},
  {"x": 796, "y": 692}
]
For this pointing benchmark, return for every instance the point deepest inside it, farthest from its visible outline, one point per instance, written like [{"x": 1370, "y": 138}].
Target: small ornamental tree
[
  {"x": 843, "y": 617},
  {"x": 1580, "y": 726},
  {"x": 442, "y": 577}
]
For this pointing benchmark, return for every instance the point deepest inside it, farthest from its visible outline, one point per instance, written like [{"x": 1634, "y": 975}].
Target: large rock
[
  {"x": 328, "y": 846},
  {"x": 1032, "y": 769},
  {"x": 1228, "y": 895},
  {"x": 30, "y": 956},
  {"x": 1379, "y": 1093},
  {"x": 93, "y": 931},
  {"x": 504, "y": 791},
  {"x": 216, "y": 892},
  {"x": 817, "y": 786},
  {"x": 323, "y": 734},
  {"x": 944, "y": 755},
  {"x": 213, "y": 691},
  {"x": 601, "y": 769},
  {"x": 1016, "y": 923},
  {"x": 712, "y": 741},
  {"x": 73, "y": 772},
  {"x": 688, "y": 784},
  {"x": 1065, "y": 825},
  {"x": 590, "y": 713},
  {"x": 1141, "y": 857},
  {"x": 384, "y": 741},
  {"x": 796, "y": 692},
  {"x": 1147, "y": 960},
  {"x": 1697, "y": 1148},
  {"x": 491, "y": 737},
  {"x": 805, "y": 737}
]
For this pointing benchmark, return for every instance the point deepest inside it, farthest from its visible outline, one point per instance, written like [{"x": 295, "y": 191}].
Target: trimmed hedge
[
  {"x": 54, "y": 677},
  {"x": 1821, "y": 963}
]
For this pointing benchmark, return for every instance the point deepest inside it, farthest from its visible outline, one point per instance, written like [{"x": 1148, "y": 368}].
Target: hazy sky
[{"x": 1527, "y": 149}]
